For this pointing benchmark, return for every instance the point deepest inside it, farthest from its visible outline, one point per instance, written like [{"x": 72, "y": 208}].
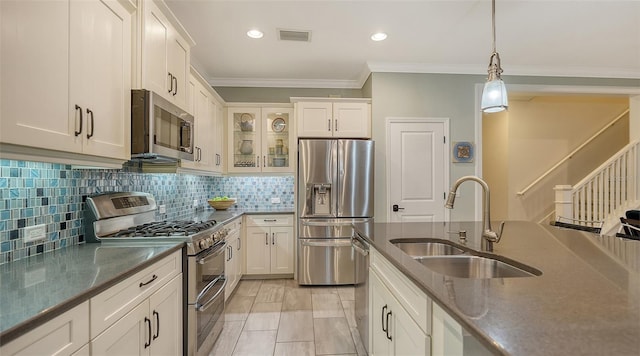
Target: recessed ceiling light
[
  {"x": 255, "y": 34},
  {"x": 380, "y": 36}
]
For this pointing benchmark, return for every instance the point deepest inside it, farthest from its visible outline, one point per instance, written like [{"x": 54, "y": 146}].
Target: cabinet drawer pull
[
  {"x": 382, "y": 318},
  {"x": 387, "y": 331},
  {"x": 90, "y": 113},
  {"x": 80, "y": 131},
  {"x": 153, "y": 278},
  {"x": 157, "y": 315},
  {"x": 270, "y": 220},
  {"x": 175, "y": 88},
  {"x": 148, "y": 322}
]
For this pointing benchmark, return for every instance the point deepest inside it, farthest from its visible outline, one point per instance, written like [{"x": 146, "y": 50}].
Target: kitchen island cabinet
[
  {"x": 393, "y": 331},
  {"x": 584, "y": 302},
  {"x": 66, "y": 78}
]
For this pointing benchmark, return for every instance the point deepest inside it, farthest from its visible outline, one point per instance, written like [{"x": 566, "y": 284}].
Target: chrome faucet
[{"x": 488, "y": 235}]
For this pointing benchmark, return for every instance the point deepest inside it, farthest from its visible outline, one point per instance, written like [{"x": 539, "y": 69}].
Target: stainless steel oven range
[{"x": 130, "y": 216}]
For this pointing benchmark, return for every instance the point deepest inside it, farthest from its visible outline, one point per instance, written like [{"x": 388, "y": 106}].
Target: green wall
[{"x": 451, "y": 96}]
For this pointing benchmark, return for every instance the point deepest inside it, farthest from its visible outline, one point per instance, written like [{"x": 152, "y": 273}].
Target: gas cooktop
[{"x": 131, "y": 216}]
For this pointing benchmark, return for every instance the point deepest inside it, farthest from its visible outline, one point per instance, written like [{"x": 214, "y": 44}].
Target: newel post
[{"x": 564, "y": 201}]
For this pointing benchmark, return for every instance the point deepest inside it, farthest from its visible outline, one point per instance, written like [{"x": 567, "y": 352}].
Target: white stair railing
[
  {"x": 572, "y": 153},
  {"x": 607, "y": 191}
]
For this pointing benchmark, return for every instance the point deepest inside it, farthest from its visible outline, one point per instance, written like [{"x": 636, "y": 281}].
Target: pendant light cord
[{"x": 493, "y": 23}]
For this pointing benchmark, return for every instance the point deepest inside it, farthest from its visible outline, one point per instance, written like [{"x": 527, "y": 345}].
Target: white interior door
[{"x": 417, "y": 169}]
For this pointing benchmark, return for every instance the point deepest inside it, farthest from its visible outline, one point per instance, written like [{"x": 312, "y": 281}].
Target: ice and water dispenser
[{"x": 319, "y": 199}]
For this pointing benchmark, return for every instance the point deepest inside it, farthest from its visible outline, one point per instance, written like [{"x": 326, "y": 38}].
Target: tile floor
[{"x": 279, "y": 317}]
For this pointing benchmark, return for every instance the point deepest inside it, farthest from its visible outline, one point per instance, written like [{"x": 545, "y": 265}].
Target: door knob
[{"x": 396, "y": 208}]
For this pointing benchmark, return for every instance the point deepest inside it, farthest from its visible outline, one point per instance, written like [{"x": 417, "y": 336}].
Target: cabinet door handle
[
  {"x": 231, "y": 252},
  {"x": 239, "y": 244},
  {"x": 171, "y": 82},
  {"x": 81, "y": 120},
  {"x": 157, "y": 315},
  {"x": 273, "y": 238},
  {"x": 382, "y": 318},
  {"x": 257, "y": 161},
  {"x": 336, "y": 125},
  {"x": 266, "y": 238},
  {"x": 387, "y": 331},
  {"x": 329, "y": 125},
  {"x": 153, "y": 278},
  {"x": 90, "y": 114},
  {"x": 175, "y": 88},
  {"x": 148, "y": 322}
]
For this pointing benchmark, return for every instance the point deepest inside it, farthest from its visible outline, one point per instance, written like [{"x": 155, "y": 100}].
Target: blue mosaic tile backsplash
[{"x": 33, "y": 193}]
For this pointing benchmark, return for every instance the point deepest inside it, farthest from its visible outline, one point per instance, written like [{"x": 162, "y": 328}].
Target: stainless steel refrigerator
[{"x": 335, "y": 189}]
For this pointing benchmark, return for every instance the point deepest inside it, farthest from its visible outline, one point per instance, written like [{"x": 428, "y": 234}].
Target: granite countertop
[
  {"x": 36, "y": 289},
  {"x": 225, "y": 216},
  {"x": 586, "y": 302}
]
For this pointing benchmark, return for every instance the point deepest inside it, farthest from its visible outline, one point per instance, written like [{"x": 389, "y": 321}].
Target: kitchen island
[{"x": 585, "y": 302}]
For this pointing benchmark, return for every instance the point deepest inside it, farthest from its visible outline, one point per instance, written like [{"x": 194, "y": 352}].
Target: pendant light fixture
[{"x": 494, "y": 94}]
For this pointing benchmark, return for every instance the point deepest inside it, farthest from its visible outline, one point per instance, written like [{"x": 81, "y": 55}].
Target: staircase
[{"x": 606, "y": 193}]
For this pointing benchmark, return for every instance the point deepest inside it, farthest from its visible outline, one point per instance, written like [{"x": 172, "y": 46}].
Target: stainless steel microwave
[{"x": 160, "y": 131}]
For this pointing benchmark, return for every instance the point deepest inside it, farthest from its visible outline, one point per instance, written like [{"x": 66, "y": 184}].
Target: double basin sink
[{"x": 447, "y": 258}]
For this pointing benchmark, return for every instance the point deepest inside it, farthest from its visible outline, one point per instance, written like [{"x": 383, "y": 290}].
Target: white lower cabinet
[
  {"x": 269, "y": 247},
  {"x": 64, "y": 335},
  {"x": 141, "y": 315},
  {"x": 393, "y": 331},
  {"x": 404, "y": 321},
  {"x": 234, "y": 259},
  {"x": 153, "y": 327}
]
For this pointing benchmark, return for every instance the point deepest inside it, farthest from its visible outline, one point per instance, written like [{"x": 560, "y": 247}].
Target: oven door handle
[
  {"x": 204, "y": 259},
  {"x": 206, "y": 289},
  {"x": 202, "y": 307}
]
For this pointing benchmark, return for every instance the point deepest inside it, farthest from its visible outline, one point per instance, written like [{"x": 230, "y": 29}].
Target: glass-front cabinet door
[
  {"x": 277, "y": 140},
  {"x": 244, "y": 143},
  {"x": 261, "y": 139}
]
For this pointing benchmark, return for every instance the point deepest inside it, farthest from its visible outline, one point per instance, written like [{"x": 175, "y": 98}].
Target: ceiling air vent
[{"x": 294, "y": 35}]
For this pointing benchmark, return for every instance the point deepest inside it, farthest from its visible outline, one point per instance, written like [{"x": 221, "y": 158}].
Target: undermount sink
[
  {"x": 477, "y": 267},
  {"x": 418, "y": 248}
]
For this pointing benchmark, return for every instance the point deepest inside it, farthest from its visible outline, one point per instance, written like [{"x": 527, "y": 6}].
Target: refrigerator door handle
[
  {"x": 329, "y": 243},
  {"x": 313, "y": 223}
]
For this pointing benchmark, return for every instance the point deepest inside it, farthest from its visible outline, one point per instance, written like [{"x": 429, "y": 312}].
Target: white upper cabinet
[
  {"x": 205, "y": 105},
  {"x": 166, "y": 54},
  {"x": 347, "y": 118},
  {"x": 261, "y": 139},
  {"x": 66, "y": 76}
]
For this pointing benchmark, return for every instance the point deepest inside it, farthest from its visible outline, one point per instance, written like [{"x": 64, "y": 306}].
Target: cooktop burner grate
[{"x": 166, "y": 228}]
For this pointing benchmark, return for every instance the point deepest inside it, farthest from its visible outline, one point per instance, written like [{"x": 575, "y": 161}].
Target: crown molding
[
  {"x": 285, "y": 83},
  {"x": 541, "y": 71},
  {"x": 426, "y": 68}
]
